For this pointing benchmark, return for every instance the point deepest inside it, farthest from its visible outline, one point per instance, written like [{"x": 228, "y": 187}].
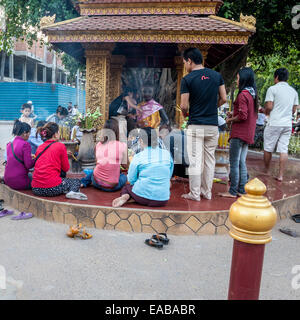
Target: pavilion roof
[{"x": 149, "y": 28}]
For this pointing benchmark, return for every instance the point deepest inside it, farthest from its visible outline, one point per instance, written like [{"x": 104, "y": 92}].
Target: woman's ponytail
[{"x": 48, "y": 130}]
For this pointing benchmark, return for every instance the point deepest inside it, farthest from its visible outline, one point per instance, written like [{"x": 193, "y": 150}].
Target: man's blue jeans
[{"x": 238, "y": 169}]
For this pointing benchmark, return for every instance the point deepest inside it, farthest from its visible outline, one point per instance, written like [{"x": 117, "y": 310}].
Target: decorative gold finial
[
  {"x": 248, "y": 22},
  {"x": 253, "y": 216},
  {"x": 47, "y": 20}
]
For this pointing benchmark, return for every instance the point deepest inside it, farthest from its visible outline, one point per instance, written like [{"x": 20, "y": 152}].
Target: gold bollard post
[{"x": 252, "y": 217}]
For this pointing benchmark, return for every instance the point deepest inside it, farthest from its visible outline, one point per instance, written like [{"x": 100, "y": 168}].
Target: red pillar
[{"x": 246, "y": 270}]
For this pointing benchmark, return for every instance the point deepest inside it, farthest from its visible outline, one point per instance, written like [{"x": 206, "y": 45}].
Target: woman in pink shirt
[{"x": 110, "y": 154}]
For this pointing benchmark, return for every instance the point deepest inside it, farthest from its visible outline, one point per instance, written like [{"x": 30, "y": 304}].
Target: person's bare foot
[
  {"x": 119, "y": 202},
  {"x": 279, "y": 179},
  {"x": 226, "y": 195},
  {"x": 188, "y": 196}
]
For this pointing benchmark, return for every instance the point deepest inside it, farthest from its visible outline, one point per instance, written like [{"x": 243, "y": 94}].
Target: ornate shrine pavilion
[{"x": 112, "y": 34}]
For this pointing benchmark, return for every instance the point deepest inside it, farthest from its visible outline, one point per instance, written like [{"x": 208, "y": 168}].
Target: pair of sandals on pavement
[
  {"x": 78, "y": 231},
  {"x": 22, "y": 216},
  {"x": 158, "y": 240}
]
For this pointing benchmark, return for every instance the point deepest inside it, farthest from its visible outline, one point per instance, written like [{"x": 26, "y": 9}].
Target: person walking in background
[
  {"x": 19, "y": 158},
  {"x": 202, "y": 92},
  {"x": 243, "y": 124},
  {"x": 25, "y": 117},
  {"x": 281, "y": 103}
]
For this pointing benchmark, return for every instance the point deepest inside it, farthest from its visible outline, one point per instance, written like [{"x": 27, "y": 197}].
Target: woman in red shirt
[
  {"x": 51, "y": 160},
  {"x": 243, "y": 124}
]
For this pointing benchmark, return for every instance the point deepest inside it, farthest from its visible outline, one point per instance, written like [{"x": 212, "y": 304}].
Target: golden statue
[
  {"x": 47, "y": 20},
  {"x": 248, "y": 22}
]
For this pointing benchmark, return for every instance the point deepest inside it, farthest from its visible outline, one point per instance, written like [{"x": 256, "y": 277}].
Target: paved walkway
[{"x": 42, "y": 263}]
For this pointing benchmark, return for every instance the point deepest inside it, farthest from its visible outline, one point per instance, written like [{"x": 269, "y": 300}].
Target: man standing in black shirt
[{"x": 202, "y": 92}]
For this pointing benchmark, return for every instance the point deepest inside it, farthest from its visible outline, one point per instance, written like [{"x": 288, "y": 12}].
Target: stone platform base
[{"x": 134, "y": 219}]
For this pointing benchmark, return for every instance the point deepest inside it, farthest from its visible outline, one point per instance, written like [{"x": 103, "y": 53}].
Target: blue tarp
[{"x": 46, "y": 97}]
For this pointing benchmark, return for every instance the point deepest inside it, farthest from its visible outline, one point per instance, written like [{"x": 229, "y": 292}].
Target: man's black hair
[
  {"x": 194, "y": 54},
  {"x": 127, "y": 90},
  {"x": 282, "y": 74}
]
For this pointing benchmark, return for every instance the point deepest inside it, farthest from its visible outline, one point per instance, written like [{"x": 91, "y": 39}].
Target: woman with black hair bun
[
  {"x": 51, "y": 159},
  {"x": 19, "y": 158},
  {"x": 243, "y": 124}
]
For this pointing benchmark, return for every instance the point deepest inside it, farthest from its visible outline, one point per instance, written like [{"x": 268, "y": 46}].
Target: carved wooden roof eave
[
  {"x": 138, "y": 36},
  {"x": 150, "y": 7}
]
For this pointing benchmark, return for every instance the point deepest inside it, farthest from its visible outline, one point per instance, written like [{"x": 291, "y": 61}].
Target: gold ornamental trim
[
  {"x": 51, "y": 25},
  {"x": 240, "y": 38},
  {"x": 148, "y": 8},
  {"x": 246, "y": 22},
  {"x": 47, "y": 20},
  {"x": 252, "y": 216}
]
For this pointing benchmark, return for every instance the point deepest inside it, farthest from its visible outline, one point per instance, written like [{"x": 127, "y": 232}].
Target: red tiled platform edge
[{"x": 182, "y": 217}]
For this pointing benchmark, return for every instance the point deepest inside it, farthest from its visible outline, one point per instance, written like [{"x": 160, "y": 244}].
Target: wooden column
[
  {"x": 116, "y": 67},
  {"x": 97, "y": 79},
  {"x": 180, "y": 69}
]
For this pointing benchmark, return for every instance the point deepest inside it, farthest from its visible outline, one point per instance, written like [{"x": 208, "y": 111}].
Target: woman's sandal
[
  {"x": 154, "y": 243},
  {"x": 162, "y": 237},
  {"x": 84, "y": 235}
]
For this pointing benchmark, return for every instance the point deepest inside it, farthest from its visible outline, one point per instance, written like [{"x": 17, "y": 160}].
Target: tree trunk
[
  {"x": 231, "y": 66},
  {"x": 164, "y": 81}
]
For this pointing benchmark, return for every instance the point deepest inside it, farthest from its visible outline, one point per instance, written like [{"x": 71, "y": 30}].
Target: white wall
[{"x": 5, "y": 133}]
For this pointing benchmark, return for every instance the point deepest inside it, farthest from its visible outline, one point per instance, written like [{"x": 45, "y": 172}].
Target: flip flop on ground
[
  {"x": 5, "y": 213},
  {"x": 23, "y": 216},
  {"x": 154, "y": 243},
  {"x": 162, "y": 237}
]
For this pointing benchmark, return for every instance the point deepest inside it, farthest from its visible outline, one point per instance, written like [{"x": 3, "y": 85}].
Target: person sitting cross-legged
[
  {"x": 110, "y": 154},
  {"x": 19, "y": 159},
  {"x": 149, "y": 174},
  {"x": 51, "y": 159}
]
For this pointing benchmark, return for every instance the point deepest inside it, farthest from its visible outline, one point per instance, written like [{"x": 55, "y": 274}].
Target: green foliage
[
  {"x": 265, "y": 66},
  {"x": 294, "y": 146},
  {"x": 72, "y": 65},
  {"x": 23, "y": 18},
  {"x": 87, "y": 120},
  {"x": 274, "y": 32}
]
